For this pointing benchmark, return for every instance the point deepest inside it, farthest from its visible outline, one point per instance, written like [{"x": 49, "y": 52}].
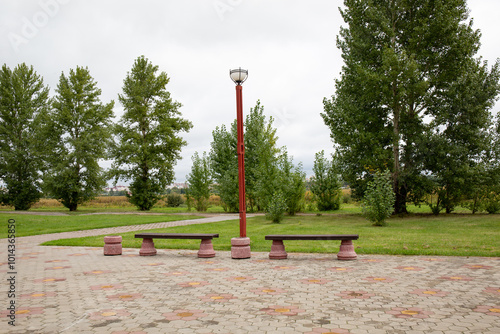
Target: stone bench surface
[
  {"x": 313, "y": 237},
  {"x": 346, "y": 247},
  {"x": 203, "y": 236},
  {"x": 206, "y": 247}
]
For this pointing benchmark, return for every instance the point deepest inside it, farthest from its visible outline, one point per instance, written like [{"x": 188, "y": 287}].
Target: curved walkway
[
  {"x": 79, "y": 290},
  {"x": 39, "y": 239}
]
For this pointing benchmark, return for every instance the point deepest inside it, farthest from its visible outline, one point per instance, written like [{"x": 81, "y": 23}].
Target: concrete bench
[
  {"x": 148, "y": 246},
  {"x": 346, "y": 247}
]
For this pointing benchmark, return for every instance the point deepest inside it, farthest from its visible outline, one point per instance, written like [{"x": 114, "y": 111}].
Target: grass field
[
  {"x": 121, "y": 204},
  {"x": 111, "y": 204},
  {"x": 422, "y": 233},
  {"x": 417, "y": 234},
  {"x": 39, "y": 224}
]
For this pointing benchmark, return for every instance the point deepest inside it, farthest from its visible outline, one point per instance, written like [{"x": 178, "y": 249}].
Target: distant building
[
  {"x": 117, "y": 189},
  {"x": 183, "y": 185}
]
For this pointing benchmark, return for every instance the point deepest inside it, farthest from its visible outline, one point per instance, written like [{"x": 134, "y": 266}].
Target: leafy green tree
[
  {"x": 261, "y": 157},
  {"x": 325, "y": 184},
  {"x": 148, "y": 145},
  {"x": 464, "y": 142},
  {"x": 492, "y": 167},
  {"x": 23, "y": 99},
  {"x": 224, "y": 163},
  {"x": 276, "y": 207},
  {"x": 261, "y": 160},
  {"x": 78, "y": 135},
  {"x": 278, "y": 179},
  {"x": 409, "y": 85},
  {"x": 268, "y": 169},
  {"x": 200, "y": 181},
  {"x": 293, "y": 184},
  {"x": 482, "y": 192},
  {"x": 268, "y": 180},
  {"x": 378, "y": 202}
]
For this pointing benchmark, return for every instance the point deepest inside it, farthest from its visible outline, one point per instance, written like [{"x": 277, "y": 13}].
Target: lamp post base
[{"x": 240, "y": 248}]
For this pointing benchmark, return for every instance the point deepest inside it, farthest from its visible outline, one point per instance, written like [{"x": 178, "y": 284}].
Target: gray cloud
[{"x": 288, "y": 46}]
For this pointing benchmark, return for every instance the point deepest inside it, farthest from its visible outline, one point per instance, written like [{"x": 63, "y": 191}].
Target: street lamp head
[{"x": 238, "y": 75}]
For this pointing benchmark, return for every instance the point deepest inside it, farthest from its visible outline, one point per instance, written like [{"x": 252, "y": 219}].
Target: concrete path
[
  {"x": 38, "y": 239},
  {"x": 79, "y": 290}
]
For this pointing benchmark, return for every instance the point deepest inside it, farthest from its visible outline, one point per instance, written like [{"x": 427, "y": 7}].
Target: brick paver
[{"x": 79, "y": 290}]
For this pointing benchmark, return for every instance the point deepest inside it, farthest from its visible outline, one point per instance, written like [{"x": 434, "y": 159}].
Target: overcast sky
[{"x": 288, "y": 47}]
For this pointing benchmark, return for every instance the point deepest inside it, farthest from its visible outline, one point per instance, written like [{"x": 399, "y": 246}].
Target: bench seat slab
[
  {"x": 148, "y": 247},
  {"x": 345, "y": 253},
  {"x": 202, "y": 236},
  {"x": 313, "y": 237}
]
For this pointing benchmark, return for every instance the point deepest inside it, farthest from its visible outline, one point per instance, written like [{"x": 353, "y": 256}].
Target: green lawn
[
  {"x": 449, "y": 235},
  {"x": 90, "y": 209},
  {"x": 27, "y": 224},
  {"x": 350, "y": 208}
]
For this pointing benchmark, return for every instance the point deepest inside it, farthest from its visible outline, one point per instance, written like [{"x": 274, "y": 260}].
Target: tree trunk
[
  {"x": 400, "y": 203},
  {"x": 399, "y": 190}
]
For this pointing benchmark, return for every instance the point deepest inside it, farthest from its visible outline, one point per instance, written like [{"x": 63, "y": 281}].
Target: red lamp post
[{"x": 240, "y": 247}]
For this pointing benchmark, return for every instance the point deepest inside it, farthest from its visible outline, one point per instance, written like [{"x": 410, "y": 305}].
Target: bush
[
  {"x": 199, "y": 181},
  {"x": 492, "y": 204},
  {"x": 378, "y": 203},
  {"x": 325, "y": 184},
  {"x": 346, "y": 196},
  {"x": 174, "y": 200},
  {"x": 201, "y": 204},
  {"x": 276, "y": 208},
  {"x": 312, "y": 206},
  {"x": 214, "y": 200}
]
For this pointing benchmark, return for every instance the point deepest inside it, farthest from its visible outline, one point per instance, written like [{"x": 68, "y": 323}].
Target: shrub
[
  {"x": 492, "y": 204},
  {"x": 199, "y": 181},
  {"x": 276, "y": 208},
  {"x": 378, "y": 203},
  {"x": 312, "y": 206},
  {"x": 214, "y": 200},
  {"x": 435, "y": 207},
  {"x": 346, "y": 196},
  {"x": 174, "y": 200},
  {"x": 325, "y": 184},
  {"x": 201, "y": 204}
]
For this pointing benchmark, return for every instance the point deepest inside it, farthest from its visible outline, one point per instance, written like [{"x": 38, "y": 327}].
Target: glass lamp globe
[{"x": 238, "y": 75}]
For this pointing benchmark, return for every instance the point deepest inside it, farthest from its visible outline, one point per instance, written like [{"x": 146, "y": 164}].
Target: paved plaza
[{"x": 79, "y": 290}]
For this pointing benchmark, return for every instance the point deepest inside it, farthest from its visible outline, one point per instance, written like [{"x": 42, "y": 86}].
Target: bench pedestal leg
[
  {"x": 206, "y": 248},
  {"x": 347, "y": 251},
  {"x": 147, "y": 247},
  {"x": 278, "y": 250}
]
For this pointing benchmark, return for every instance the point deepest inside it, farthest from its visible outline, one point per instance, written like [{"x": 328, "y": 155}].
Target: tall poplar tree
[
  {"x": 261, "y": 160},
  {"x": 148, "y": 142},
  {"x": 77, "y": 136},
  {"x": 224, "y": 163},
  {"x": 325, "y": 184},
  {"x": 23, "y": 99},
  {"x": 408, "y": 66},
  {"x": 200, "y": 181},
  {"x": 261, "y": 157}
]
